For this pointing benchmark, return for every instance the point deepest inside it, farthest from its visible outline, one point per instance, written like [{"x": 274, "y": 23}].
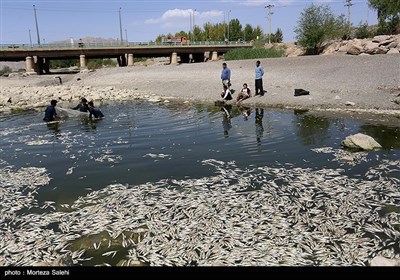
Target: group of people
[
  {"x": 50, "y": 114},
  {"x": 245, "y": 92}
]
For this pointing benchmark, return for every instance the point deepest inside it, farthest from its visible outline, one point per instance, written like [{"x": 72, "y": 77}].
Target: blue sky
[{"x": 144, "y": 20}]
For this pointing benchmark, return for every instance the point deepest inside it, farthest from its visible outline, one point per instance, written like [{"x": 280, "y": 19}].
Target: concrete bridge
[{"x": 38, "y": 57}]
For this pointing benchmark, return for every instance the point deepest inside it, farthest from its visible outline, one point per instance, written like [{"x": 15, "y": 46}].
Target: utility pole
[
  {"x": 30, "y": 38},
  {"x": 126, "y": 37},
  {"x": 194, "y": 12},
  {"x": 191, "y": 28},
  {"x": 229, "y": 12},
  {"x": 224, "y": 27},
  {"x": 269, "y": 16},
  {"x": 120, "y": 25},
  {"x": 37, "y": 27},
  {"x": 348, "y": 4}
]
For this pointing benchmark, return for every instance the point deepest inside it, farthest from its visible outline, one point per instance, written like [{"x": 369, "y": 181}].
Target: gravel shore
[{"x": 369, "y": 84}]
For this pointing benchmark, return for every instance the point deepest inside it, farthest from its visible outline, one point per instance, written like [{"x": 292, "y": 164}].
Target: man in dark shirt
[
  {"x": 94, "y": 111},
  {"x": 83, "y": 107},
  {"x": 50, "y": 113}
]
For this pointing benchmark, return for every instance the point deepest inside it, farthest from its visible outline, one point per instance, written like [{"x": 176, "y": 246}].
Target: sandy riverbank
[{"x": 370, "y": 83}]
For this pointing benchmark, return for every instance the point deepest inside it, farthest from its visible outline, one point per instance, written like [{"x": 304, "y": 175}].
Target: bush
[
  {"x": 6, "y": 70},
  {"x": 244, "y": 53},
  {"x": 100, "y": 63},
  {"x": 363, "y": 31},
  {"x": 63, "y": 63},
  {"x": 317, "y": 24}
]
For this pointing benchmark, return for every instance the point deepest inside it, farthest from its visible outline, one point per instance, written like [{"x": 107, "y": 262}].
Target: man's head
[
  {"x": 90, "y": 103},
  {"x": 53, "y": 102},
  {"x": 245, "y": 85},
  {"x": 84, "y": 100},
  {"x": 258, "y": 63},
  {"x": 224, "y": 65}
]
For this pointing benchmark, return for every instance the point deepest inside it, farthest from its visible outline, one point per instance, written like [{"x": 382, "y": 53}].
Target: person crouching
[
  {"x": 93, "y": 111},
  {"x": 226, "y": 94}
]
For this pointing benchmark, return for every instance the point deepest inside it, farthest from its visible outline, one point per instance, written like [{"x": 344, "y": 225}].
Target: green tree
[
  {"x": 235, "y": 30},
  {"x": 277, "y": 37},
  {"x": 388, "y": 15},
  {"x": 198, "y": 34},
  {"x": 317, "y": 23},
  {"x": 182, "y": 33},
  {"x": 248, "y": 33}
]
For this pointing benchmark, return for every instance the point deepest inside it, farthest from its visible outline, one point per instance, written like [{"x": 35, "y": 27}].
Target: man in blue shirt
[
  {"x": 225, "y": 76},
  {"x": 50, "y": 113},
  {"x": 259, "y": 81}
]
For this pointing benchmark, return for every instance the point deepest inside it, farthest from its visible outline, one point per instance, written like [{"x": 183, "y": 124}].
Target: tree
[
  {"x": 248, "y": 33},
  {"x": 388, "y": 15},
  {"x": 278, "y": 36},
  {"x": 235, "y": 30},
  {"x": 317, "y": 24}
]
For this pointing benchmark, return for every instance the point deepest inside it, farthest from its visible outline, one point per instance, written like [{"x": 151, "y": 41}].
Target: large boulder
[{"x": 361, "y": 141}]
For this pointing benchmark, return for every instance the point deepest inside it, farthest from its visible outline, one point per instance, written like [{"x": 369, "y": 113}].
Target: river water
[{"x": 155, "y": 147}]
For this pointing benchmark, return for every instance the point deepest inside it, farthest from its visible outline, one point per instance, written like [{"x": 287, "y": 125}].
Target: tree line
[{"x": 231, "y": 31}]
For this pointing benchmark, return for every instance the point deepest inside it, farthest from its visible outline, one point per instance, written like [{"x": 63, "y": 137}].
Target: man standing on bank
[
  {"x": 225, "y": 76},
  {"x": 259, "y": 81}
]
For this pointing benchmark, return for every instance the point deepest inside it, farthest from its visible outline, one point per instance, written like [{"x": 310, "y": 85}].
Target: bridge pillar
[
  {"x": 130, "y": 59},
  {"x": 82, "y": 61},
  {"x": 30, "y": 65},
  {"x": 214, "y": 56},
  {"x": 46, "y": 65},
  {"x": 206, "y": 56},
  {"x": 174, "y": 58}
]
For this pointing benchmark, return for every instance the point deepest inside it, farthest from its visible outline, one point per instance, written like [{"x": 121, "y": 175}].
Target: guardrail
[{"x": 120, "y": 45}]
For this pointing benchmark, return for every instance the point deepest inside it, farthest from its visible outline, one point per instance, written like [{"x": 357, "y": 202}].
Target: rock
[
  {"x": 385, "y": 42},
  {"x": 354, "y": 49},
  {"x": 393, "y": 51},
  {"x": 392, "y": 45},
  {"x": 360, "y": 141},
  {"x": 154, "y": 99},
  {"x": 370, "y": 47},
  {"x": 382, "y": 261},
  {"x": 337, "y": 97},
  {"x": 349, "y": 103},
  {"x": 380, "y": 38}
]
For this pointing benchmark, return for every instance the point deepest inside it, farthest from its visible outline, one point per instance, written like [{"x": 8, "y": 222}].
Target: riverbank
[{"x": 339, "y": 83}]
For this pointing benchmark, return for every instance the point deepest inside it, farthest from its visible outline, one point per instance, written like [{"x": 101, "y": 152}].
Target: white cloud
[{"x": 181, "y": 18}]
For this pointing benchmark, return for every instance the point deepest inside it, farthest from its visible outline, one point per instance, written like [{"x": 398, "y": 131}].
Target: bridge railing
[{"x": 119, "y": 44}]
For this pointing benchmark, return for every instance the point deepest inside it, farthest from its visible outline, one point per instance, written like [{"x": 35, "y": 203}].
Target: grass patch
[{"x": 245, "y": 53}]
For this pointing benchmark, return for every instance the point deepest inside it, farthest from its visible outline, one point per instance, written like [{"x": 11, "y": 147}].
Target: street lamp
[
  {"x": 30, "y": 38},
  {"x": 228, "y": 24},
  {"x": 194, "y": 12},
  {"x": 37, "y": 27},
  {"x": 120, "y": 25},
  {"x": 126, "y": 37}
]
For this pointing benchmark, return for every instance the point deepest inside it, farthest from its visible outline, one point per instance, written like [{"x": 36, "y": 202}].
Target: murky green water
[{"x": 139, "y": 143}]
